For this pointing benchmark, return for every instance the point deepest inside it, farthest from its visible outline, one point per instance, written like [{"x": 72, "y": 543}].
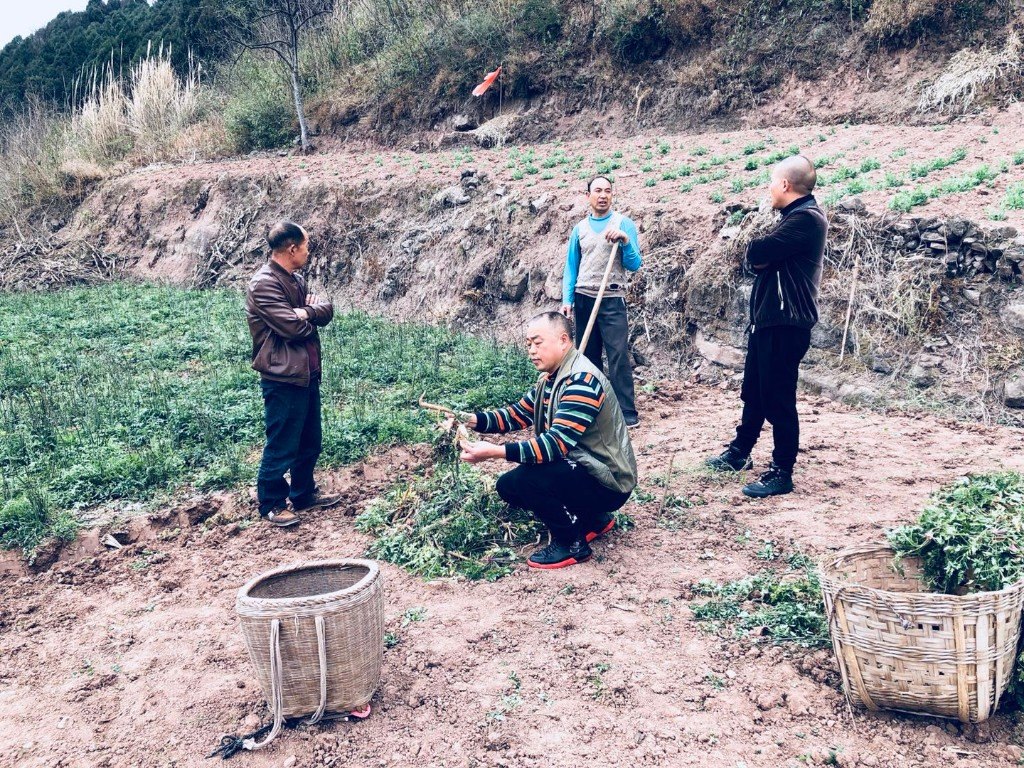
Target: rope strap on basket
[
  {"x": 232, "y": 745},
  {"x": 276, "y": 695},
  {"x": 873, "y": 598},
  {"x": 321, "y": 648}
]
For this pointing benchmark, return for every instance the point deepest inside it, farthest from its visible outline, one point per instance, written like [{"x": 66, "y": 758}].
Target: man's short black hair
[
  {"x": 591, "y": 182},
  {"x": 285, "y": 234},
  {"x": 557, "y": 319}
]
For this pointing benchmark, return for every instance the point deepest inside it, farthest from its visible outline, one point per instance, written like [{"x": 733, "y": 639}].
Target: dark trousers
[
  {"x": 769, "y": 391},
  {"x": 293, "y": 444},
  {"x": 611, "y": 332},
  {"x": 563, "y": 496}
]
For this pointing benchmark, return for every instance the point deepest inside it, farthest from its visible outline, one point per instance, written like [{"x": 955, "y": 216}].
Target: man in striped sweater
[{"x": 578, "y": 467}]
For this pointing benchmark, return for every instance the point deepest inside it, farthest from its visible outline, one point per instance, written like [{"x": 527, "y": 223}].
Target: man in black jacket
[{"x": 783, "y": 309}]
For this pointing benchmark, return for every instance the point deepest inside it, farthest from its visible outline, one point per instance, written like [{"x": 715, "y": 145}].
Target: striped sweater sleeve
[
  {"x": 581, "y": 401},
  {"x": 509, "y": 419}
]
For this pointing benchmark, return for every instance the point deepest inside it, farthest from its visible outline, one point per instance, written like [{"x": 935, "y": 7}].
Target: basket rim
[
  {"x": 827, "y": 567},
  {"x": 246, "y": 602}
]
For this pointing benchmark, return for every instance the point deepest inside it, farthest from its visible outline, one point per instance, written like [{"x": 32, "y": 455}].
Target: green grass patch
[
  {"x": 126, "y": 392},
  {"x": 905, "y": 201},
  {"x": 784, "y": 605},
  {"x": 1014, "y": 199},
  {"x": 892, "y": 180},
  {"x": 920, "y": 170}
]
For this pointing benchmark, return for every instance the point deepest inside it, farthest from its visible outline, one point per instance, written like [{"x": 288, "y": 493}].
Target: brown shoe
[
  {"x": 281, "y": 518},
  {"x": 319, "y": 501}
]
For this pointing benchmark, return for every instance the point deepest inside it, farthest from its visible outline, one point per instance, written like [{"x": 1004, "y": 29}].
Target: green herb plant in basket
[{"x": 970, "y": 538}]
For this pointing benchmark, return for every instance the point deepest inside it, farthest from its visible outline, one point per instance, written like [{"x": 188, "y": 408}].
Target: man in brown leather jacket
[{"x": 283, "y": 320}]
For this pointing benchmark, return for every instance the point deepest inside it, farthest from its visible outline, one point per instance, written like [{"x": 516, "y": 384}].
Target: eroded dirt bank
[{"x": 474, "y": 238}]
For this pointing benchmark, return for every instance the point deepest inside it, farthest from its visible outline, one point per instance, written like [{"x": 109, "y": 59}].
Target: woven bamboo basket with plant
[
  {"x": 315, "y": 634},
  {"x": 930, "y": 623}
]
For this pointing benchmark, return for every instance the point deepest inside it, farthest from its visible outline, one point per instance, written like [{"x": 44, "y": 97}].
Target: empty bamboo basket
[
  {"x": 315, "y": 634},
  {"x": 903, "y": 649}
]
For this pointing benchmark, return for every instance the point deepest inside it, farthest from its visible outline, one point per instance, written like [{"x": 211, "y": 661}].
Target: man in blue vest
[
  {"x": 590, "y": 247},
  {"x": 783, "y": 308}
]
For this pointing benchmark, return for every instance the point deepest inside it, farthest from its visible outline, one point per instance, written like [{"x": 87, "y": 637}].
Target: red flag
[{"x": 481, "y": 89}]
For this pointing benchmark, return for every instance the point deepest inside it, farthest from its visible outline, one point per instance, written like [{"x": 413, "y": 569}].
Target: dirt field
[{"x": 134, "y": 657}]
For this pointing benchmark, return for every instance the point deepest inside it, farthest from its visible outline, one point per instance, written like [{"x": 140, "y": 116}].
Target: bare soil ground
[{"x": 133, "y": 657}]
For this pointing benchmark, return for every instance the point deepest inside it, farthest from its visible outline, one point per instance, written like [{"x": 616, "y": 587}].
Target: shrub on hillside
[
  {"x": 634, "y": 31},
  {"x": 256, "y": 123},
  {"x": 903, "y": 19},
  {"x": 690, "y": 20},
  {"x": 258, "y": 115},
  {"x": 541, "y": 20},
  {"x": 440, "y": 45}
]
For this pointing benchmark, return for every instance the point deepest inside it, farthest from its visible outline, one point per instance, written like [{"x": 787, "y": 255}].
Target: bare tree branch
[{"x": 279, "y": 26}]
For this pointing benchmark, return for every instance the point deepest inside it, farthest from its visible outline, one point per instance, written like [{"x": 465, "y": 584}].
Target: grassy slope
[{"x": 125, "y": 392}]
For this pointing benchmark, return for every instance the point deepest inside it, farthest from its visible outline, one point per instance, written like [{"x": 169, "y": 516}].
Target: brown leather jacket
[{"x": 278, "y": 337}]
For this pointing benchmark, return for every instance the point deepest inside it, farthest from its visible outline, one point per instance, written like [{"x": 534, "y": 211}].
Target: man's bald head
[
  {"x": 548, "y": 340},
  {"x": 792, "y": 179},
  {"x": 800, "y": 173},
  {"x": 554, "y": 320}
]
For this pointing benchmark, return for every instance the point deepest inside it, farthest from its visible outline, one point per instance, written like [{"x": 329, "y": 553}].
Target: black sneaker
[
  {"x": 774, "y": 482},
  {"x": 603, "y": 526},
  {"x": 730, "y": 461},
  {"x": 556, "y": 555},
  {"x": 631, "y": 421}
]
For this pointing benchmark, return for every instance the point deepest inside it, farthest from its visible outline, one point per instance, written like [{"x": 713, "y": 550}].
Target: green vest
[{"x": 604, "y": 449}]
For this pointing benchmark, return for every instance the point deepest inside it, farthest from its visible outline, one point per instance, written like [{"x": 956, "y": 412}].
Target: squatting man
[{"x": 579, "y": 466}]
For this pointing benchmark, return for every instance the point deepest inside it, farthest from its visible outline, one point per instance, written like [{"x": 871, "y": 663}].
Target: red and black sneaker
[
  {"x": 601, "y": 529},
  {"x": 556, "y": 555}
]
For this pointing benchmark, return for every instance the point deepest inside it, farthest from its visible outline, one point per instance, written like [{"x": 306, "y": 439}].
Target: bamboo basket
[
  {"x": 911, "y": 651},
  {"x": 315, "y": 634}
]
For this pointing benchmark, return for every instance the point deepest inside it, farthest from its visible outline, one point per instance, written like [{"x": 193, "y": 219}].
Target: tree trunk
[{"x": 299, "y": 109}]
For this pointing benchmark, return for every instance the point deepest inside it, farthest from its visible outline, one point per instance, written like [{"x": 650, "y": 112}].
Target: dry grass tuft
[
  {"x": 162, "y": 106},
  {"x": 31, "y": 152},
  {"x": 149, "y": 115},
  {"x": 141, "y": 117},
  {"x": 972, "y": 73},
  {"x": 898, "y": 18},
  {"x": 894, "y": 301},
  {"x": 99, "y": 129}
]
